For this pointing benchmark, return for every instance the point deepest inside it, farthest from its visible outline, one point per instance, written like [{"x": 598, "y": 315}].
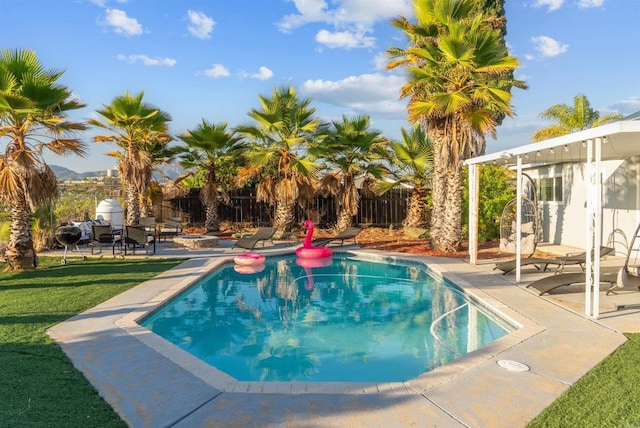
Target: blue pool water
[{"x": 351, "y": 321}]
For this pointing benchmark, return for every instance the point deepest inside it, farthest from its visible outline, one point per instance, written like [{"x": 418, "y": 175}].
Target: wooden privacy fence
[{"x": 386, "y": 210}]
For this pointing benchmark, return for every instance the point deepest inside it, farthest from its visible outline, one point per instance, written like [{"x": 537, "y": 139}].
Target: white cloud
[
  {"x": 152, "y": 62},
  {"x": 551, "y": 5},
  {"x": 366, "y": 94},
  {"x": 346, "y": 12},
  {"x": 585, "y": 4},
  {"x": 380, "y": 61},
  {"x": 200, "y": 25},
  {"x": 263, "y": 74},
  {"x": 548, "y": 47},
  {"x": 351, "y": 20},
  {"x": 344, "y": 39},
  {"x": 216, "y": 71},
  {"x": 121, "y": 23},
  {"x": 628, "y": 106}
]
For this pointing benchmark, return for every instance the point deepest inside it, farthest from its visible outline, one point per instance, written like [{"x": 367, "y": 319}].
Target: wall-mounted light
[
  {"x": 584, "y": 144},
  {"x": 526, "y": 155},
  {"x": 551, "y": 151},
  {"x": 538, "y": 153},
  {"x": 566, "y": 148}
]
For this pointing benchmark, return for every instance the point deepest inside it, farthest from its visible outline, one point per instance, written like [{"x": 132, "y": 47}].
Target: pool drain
[{"x": 513, "y": 366}]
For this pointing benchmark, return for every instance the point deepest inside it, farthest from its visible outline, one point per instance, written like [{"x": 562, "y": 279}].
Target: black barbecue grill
[{"x": 69, "y": 235}]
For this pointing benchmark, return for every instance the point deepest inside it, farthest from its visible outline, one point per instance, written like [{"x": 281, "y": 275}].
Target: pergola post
[
  {"x": 518, "y": 217},
  {"x": 474, "y": 191}
]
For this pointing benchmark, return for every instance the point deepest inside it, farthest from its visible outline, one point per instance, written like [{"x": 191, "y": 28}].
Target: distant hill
[{"x": 64, "y": 174}]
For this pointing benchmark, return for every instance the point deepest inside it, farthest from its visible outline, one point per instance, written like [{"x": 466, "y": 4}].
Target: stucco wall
[{"x": 564, "y": 223}]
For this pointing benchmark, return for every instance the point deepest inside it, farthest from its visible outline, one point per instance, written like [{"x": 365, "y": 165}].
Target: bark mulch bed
[{"x": 390, "y": 239}]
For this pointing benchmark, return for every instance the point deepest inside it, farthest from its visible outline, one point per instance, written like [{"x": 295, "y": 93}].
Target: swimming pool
[{"x": 353, "y": 320}]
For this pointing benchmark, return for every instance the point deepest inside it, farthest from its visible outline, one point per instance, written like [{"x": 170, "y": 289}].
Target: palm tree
[
  {"x": 135, "y": 126},
  {"x": 351, "y": 150},
  {"x": 33, "y": 107},
  {"x": 212, "y": 151},
  {"x": 158, "y": 154},
  {"x": 412, "y": 161},
  {"x": 459, "y": 84},
  {"x": 570, "y": 119},
  {"x": 283, "y": 128}
]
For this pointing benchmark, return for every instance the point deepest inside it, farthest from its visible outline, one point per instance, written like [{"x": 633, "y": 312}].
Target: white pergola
[{"x": 614, "y": 141}]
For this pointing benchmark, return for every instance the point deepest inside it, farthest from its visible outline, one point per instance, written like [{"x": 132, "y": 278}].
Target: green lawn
[
  {"x": 40, "y": 388},
  {"x": 607, "y": 396}
]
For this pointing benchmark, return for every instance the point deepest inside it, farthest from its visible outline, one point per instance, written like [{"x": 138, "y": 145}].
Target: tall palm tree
[
  {"x": 351, "y": 150},
  {"x": 459, "y": 84},
  {"x": 570, "y": 119},
  {"x": 412, "y": 163},
  {"x": 283, "y": 128},
  {"x": 135, "y": 126},
  {"x": 213, "y": 151},
  {"x": 33, "y": 117}
]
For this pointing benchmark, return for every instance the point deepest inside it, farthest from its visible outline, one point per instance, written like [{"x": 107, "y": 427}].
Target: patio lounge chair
[
  {"x": 172, "y": 227},
  {"x": 560, "y": 261},
  {"x": 103, "y": 236},
  {"x": 551, "y": 282},
  {"x": 262, "y": 234},
  {"x": 138, "y": 237},
  {"x": 348, "y": 233}
]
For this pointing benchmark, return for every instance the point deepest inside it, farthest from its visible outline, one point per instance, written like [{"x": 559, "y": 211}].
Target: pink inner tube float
[
  {"x": 249, "y": 259},
  {"x": 308, "y": 251}
]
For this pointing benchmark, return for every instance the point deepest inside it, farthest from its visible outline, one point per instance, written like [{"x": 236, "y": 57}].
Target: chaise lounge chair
[
  {"x": 543, "y": 263},
  {"x": 546, "y": 284},
  {"x": 262, "y": 234},
  {"x": 348, "y": 233}
]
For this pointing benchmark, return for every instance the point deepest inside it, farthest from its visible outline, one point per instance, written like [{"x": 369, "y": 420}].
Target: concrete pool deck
[{"x": 151, "y": 383}]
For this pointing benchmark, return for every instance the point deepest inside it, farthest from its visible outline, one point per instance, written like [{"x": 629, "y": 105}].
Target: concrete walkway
[{"x": 152, "y": 383}]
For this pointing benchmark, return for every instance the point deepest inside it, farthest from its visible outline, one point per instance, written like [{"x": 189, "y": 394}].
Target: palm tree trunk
[
  {"x": 416, "y": 211},
  {"x": 20, "y": 253},
  {"x": 285, "y": 216},
  {"x": 452, "y": 224},
  {"x": 349, "y": 203},
  {"x": 212, "y": 220},
  {"x": 133, "y": 206},
  {"x": 344, "y": 220},
  {"x": 439, "y": 186}
]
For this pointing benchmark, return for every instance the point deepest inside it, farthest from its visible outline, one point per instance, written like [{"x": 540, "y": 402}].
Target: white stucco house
[{"x": 588, "y": 188}]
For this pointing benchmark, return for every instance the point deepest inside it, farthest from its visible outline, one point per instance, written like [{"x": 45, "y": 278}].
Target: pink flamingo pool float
[{"x": 308, "y": 251}]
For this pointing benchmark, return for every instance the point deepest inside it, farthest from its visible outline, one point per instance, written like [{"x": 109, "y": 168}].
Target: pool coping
[
  {"x": 97, "y": 339},
  {"x": 218, "y": 379}
]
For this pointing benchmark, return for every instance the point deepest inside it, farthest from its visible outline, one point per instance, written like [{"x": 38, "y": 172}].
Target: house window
[{"x": 549, "y": 189}]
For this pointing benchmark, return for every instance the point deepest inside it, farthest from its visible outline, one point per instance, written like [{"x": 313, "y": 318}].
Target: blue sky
[{"x": 212, "y": 58}]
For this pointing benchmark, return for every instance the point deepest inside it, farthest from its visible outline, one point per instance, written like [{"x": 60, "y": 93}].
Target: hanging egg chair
[{"x": 529, "y": 229}]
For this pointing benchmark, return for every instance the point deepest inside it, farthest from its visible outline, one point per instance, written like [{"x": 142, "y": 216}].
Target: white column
[
  {"x": 518, "y": 217},
  {"x": 474, "y": 191},
  {"x": 597, "y": 229},
  {"x": 588, "y": 229}
]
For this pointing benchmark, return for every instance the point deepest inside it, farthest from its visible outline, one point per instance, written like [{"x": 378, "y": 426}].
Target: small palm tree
[
  {"x": 283, "y": 128},
  {"x": 570, "y": 119},
  {"x": 213, "y": 151},
  {"x": 412, "y": 163},
  {"x": 351, "y": 150},
  {"x": 135, "y": 126},
  {"x": 33, "y": 107}
]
